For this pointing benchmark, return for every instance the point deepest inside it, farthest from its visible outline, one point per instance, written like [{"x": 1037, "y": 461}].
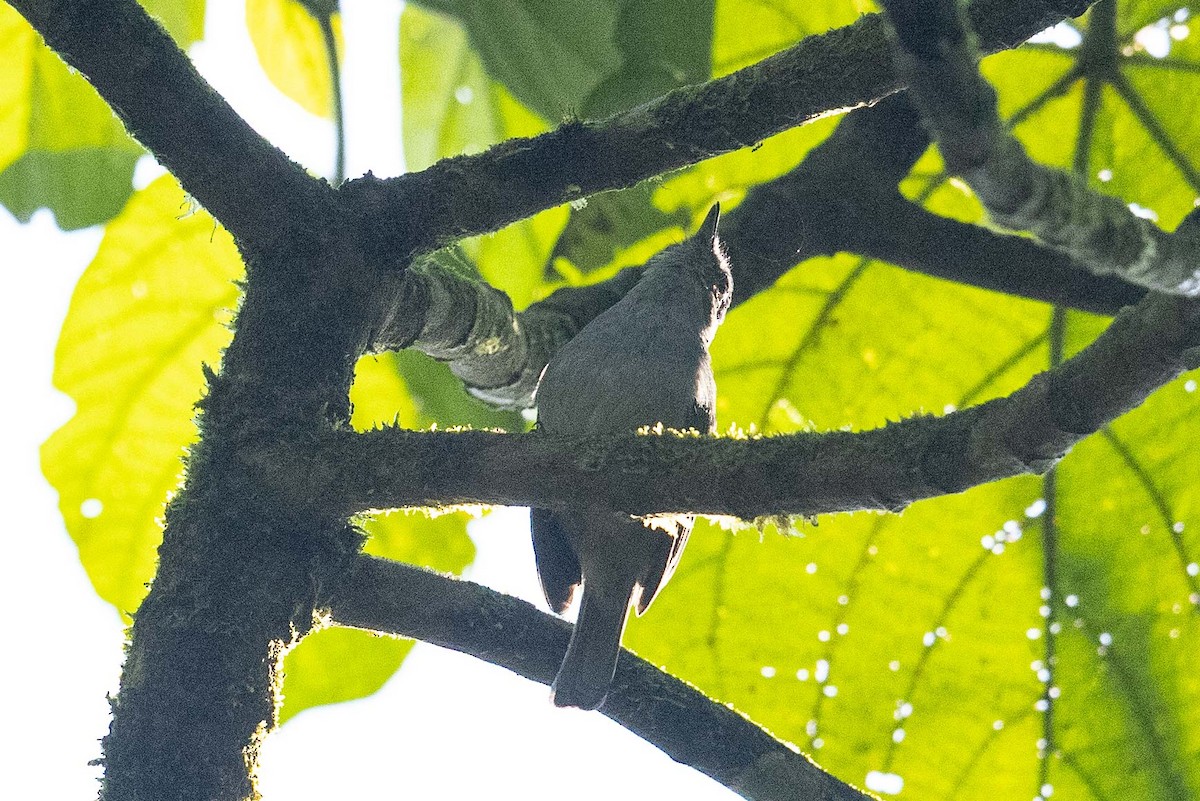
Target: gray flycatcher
[{"x": 643, "y": 361}]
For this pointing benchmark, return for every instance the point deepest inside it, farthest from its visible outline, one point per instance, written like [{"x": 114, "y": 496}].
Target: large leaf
[
  {"x": 662, "y": 46},
  {"x": 60, "y": 146},
  {"x": 549, "y": 54},
  {"x": 292, "y": 51},
  {"x": 1059, "y": 656},
  {"x": 747, "y": 31},
  {"x": 145, "y": 316},
  {"x": 452, "y": 106},
  {"x": 601, "y": 229},
  {"x": 339, "y": 664}
]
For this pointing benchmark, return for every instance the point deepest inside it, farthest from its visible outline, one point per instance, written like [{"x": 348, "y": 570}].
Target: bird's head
[{"x": 710, "y": 260}]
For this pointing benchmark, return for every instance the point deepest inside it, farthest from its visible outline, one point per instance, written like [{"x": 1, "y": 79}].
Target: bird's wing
[
  {"x": 702, "y": 418},
  {"x": 557, "y": 566},
  {"x": 658, "y": 569},
  {"x": 590, "y": 387}
]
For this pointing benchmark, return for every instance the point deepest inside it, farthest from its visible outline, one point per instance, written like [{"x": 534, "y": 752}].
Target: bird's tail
[{"x": 587, "y": 671}]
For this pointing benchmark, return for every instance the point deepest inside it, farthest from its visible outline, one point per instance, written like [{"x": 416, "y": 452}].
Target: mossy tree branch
[
  {"x": 254, "y": 190},
  {"x": 400, "y": 599},
  {"x": 1146, "y": 346},
  {"x": 245, "y": 559},
  {"x": 937, "y": 57},
  {"x": 843, "y": 197}
]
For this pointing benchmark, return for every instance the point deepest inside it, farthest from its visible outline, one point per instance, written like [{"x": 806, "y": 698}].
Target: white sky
[{"x": 447, "y": 726}]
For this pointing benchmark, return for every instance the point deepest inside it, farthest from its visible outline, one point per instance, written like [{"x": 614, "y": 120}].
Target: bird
[{"x": 643, "y": 361}]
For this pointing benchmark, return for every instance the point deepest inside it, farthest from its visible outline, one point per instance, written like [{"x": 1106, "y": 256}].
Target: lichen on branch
[{"x": 937, "y": 56}]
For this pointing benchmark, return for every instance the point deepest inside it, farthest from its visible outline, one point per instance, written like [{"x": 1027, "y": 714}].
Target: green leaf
[
  {"x": 513, "y": 259},
  {"x": 1129, "y": 548},
  {"x": 378, "y": 395},
  {"x": 1136, "y": 14},
  {"x": 61, "y": 181},
  {"x": 147, "y": 313},
  {"x": 663, "y": 46},
  {"x": 727, "y": 178},
  {"x": 549, "y": 54},
  {"x": 451, "y": 106},
  {"x": 417, "y": 392},
  {"x": 824, "y": 635},
  {"x": 338, "y": 664},
  {"x": 1156, "y": 145},
  {"x": 607, "y": 224},
  {"x": 747, "y": 31},
  {"x": 825, "y": 342},
  {"x": 592, "y": 59},
  {"x": 60, "y": 145},
  {"x": 440, "y": 399},
  {"x": 1144, "y": 147},
  {"x": 292, "y": 51},
  {"x": 898, "y": 643},
  {"x": 183, "y": 19}
]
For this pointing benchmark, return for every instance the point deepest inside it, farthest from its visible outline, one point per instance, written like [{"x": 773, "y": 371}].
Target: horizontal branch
[
  {"x": 259, "y": 194},
  {"x": 681, "y": 721},
  {"x": 888, "y": 468},
  {"x": 247, "y": 183},
  {"x": 844, "y": 68},
  {"x": 842, "y": 197},
  {"x": 916, "y": 239}
]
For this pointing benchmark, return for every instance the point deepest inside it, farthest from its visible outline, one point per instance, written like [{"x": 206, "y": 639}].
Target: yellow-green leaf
[
  {"x": 1009, "y": 642},
  {"x": 338, "y": 664},
  {"x": 292, "y": 51},
  {"x": 747, "y": 31},
  {"x": 453, "y": 107},
  {"x": 60, "y": 145},
  {"x": 147, "y": 313},
  {"x": 550, "y": 54},
  {"x": 183, "y": 19}
]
